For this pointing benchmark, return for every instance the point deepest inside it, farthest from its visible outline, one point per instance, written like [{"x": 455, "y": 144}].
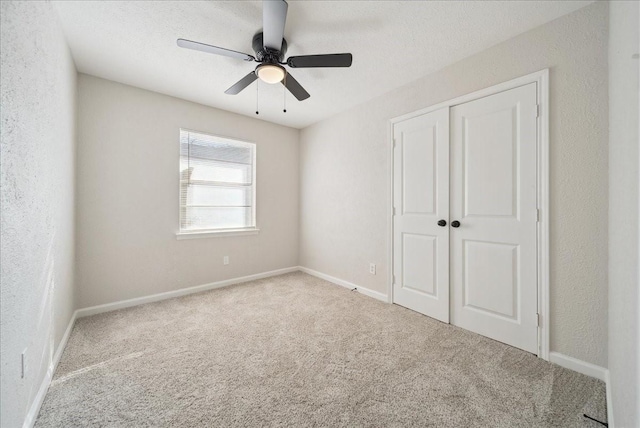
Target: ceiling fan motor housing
[{"x": 265, "y": 54}]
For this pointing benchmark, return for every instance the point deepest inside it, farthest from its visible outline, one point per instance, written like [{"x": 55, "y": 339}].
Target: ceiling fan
[{"x": 270, "y": 48}]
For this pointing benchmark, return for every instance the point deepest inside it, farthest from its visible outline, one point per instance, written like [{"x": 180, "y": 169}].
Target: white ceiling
[{"x": 392, "y": 42}]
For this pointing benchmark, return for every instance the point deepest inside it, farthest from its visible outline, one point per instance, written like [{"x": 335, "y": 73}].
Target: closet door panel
[
  {"x": 421, "y": 199},
  {"x": 493, "y": 196}
]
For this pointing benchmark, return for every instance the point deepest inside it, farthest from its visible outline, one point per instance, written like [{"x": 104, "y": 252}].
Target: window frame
[{"x": 218, "y": 232}]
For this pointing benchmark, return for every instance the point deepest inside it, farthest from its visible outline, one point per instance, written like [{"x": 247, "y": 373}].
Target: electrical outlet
[
  {"x": 225, "y": 260},
  {"x": 23, "y": 364},
  {"x": 372, "y": 268}
]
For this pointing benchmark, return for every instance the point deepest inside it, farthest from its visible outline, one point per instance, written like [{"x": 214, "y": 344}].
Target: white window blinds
[{"x": 217, "y": 183}]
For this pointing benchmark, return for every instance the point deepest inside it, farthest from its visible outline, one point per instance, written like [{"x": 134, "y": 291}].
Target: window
[{"x": 217, "y": 184}]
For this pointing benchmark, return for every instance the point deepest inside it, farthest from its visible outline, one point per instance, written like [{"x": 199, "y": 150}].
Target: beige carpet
[{"x": 294, "y": 350}]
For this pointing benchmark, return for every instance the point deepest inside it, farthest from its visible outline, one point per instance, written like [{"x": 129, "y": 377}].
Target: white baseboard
[
  {"x": 108, "y": 307},
  {"x": 34, "y": 410},
  {"x": 588, "y": 369},
  {"x": 346, "y": 284},
  {"x": 579, "y": 366}
]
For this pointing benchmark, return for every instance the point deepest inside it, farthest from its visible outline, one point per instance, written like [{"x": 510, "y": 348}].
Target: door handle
[
  {"x": 455, "y": 223},
  {"x": 442, "y": 223}
]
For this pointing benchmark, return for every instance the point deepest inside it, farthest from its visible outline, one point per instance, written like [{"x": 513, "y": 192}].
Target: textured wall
[
  {"x": 37, "y": 195},
  {"x": 624, "y": 216},
  {"x": 345, "y": 172},
  {"x": 128, "y": 195}
]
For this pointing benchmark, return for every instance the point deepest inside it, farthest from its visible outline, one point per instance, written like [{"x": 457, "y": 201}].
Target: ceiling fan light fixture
[{"x": 270, "y": 73}]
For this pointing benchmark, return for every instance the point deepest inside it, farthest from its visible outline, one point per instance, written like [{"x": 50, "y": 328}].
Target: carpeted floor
[{"x": 295, "y": 350}]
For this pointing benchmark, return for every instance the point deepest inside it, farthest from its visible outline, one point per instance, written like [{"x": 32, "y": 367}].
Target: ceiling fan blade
[
  {"x": 328, "y": 60},
  {"x": 274, "y": 16},
  {"x": 295, "y": 88},
  {"x": 213, "y": 50},
  {"x": 242, "y": 83}
]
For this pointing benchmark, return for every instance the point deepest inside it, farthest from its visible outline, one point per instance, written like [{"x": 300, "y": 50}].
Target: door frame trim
[{"x": 541, "y": 78}]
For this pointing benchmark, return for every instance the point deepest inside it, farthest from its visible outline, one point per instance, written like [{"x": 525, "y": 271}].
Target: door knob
[
  {"x": 455, "y": 223},
  {"x": 442, "y": 223}
]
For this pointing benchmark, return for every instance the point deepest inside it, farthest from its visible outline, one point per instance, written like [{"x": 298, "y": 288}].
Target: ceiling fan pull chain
[
  {"x": 284, "y": 92},
  {"x": 257, "y": 86}
]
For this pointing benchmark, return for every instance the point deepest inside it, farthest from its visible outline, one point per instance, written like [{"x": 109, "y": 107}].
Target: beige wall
[
  {"x": 128, "y": 195},
  {"x": 624, "y": 213},
  {"x": 37, "y": 159},
  {"x": 345, "y": 172}
]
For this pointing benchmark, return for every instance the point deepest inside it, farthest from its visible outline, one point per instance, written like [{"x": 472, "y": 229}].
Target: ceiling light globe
[{"x": 270, "y": 73}]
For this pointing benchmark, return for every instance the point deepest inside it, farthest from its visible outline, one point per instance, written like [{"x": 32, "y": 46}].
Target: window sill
[{"x": 217, "y": 233}]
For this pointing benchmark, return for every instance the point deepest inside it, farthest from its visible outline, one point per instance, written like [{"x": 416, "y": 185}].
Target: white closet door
[
  {"x": 493, "y": 196},
  {"x": 421, "y": 199}
]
